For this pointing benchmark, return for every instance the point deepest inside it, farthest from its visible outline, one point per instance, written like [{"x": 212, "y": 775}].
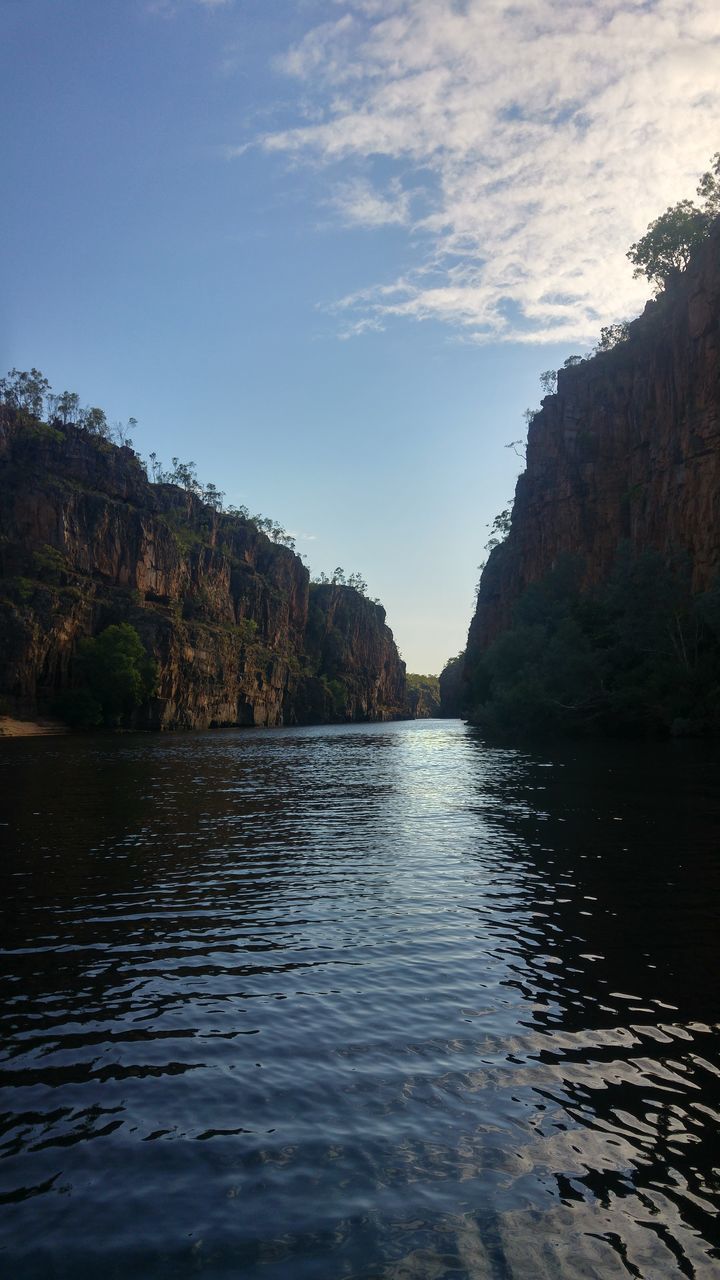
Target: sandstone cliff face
[
  {"x": 627, "y": 450},
  {"x": 359, "y": 674},
  {"x": 86, "y": 541}
]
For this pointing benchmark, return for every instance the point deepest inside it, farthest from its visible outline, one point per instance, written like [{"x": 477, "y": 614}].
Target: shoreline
[{"x": 10, "y": 727}]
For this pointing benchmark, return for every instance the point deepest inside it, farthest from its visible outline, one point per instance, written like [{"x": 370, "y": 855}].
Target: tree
[
  {"x": 212, "y": 496},
  {"x": 611, "y": 335},
  {"x": 500, "y": 528},
  {"x": 95, "y": 422},
  {"x": 709, "y": 188},
  {"x": 67, "y": 407},
  {"x": 121, "y": 435},
  {"x": 25, "y": 390},
  {"x": 115, "y": 675},
  {"x": 548, "y": 382},
  {"x": 666, "y": 247}
]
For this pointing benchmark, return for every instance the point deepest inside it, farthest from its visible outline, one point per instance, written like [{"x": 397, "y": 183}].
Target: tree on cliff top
[{"x": 665, "y": 249}]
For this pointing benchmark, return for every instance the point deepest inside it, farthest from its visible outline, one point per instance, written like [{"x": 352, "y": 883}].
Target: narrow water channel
[{"x": 369, "y": 1001}]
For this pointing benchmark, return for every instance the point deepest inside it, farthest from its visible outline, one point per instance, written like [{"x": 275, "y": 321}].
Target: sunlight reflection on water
[{"x": 378, "y": 1001}]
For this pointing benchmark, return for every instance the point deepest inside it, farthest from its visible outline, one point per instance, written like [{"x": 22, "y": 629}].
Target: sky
[{"x": 325, "y": 248}]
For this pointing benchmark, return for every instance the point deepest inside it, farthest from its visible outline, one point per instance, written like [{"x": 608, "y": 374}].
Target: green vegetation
[
  {"x": 637, "y": 656},
  {"x": 423, "y": 684},
  {"x": 114, "y": 676},
  {"x": 50, "y": 565},
  {"x": 337, "y": 691},
  {"x": 29, "y": 395},
  {"x": 339, "y": 578},
  {"x": 422, "y": 695},
  {"x": 665, "y": 249}
]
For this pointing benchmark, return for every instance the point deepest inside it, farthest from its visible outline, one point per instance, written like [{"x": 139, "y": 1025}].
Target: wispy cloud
[
  {"x": 168, "y": 7},
  {"x": 529, "y": 144},
  {"x": 360, "y": 203}
]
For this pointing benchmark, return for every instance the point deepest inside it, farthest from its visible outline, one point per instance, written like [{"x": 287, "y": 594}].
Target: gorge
[
  {"x": 617, "y": 514},
  {"x": 237, "y": 632}
]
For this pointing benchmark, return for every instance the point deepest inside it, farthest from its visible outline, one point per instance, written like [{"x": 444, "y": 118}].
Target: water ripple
[{"x": 369, "y": 1002}]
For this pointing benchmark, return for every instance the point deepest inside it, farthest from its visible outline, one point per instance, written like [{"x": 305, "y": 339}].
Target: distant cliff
[
  {"x": 87, "y": 541},
  {"x": 354, "y": 669},
  {"x": 625, "y": 455},
  {"x": 422, "y": 697}
]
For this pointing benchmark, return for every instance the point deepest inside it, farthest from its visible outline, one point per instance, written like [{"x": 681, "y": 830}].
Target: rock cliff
[
  {"x": 86, "y": 541},
  {"x": 357, "y": 673},
  {"x": 627, "y": 451}
]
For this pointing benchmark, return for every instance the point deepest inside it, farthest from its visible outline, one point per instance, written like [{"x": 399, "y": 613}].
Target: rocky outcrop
[
  {"x": 356, "y": 671},
  {"x": 87, "y": 541},
  {"x": 628, "y": 450}
]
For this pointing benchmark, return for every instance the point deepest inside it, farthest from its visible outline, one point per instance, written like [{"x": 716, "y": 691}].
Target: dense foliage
[
  {"x": 639, "y": 655},
  {"x": 113, "y": 674}
]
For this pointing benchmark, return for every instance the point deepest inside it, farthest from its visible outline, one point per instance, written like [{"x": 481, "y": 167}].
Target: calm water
[{"x": 376, "y": 1001}]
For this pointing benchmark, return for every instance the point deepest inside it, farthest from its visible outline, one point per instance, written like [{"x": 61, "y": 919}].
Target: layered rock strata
[{"x": 87, "y": 541}]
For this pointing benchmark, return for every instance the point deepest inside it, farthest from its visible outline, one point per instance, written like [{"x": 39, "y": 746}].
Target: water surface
[{"x": 378, "y": 1001}]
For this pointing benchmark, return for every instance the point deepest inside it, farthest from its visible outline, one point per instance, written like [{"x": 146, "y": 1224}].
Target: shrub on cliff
[{"x": 115, "y": 675}]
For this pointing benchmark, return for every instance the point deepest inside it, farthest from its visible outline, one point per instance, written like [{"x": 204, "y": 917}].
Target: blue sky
[{"x": 325, "y": 249}]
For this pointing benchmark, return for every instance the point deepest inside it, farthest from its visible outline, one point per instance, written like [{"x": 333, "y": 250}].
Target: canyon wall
[
  {"x": 87, "y": 541},
  {"x": 626, "y": 451},
  {"x": 360, "y": 675}
]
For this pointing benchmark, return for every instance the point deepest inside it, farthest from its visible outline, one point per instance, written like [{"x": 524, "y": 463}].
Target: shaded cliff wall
[
  {"x": 86, "y": 541},
  {"x": 452, "y": 687},
  {"x": 627, "y": 450},
  {"x": 355, "y": 670}
]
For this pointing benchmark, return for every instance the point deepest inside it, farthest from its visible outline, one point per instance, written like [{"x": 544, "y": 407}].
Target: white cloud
[
  {"x": 543, "y": 136},
  {"x": 359, "y": 203}
]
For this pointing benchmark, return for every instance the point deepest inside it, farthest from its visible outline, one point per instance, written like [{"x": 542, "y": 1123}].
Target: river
[{"x": 378, "y": 1001}]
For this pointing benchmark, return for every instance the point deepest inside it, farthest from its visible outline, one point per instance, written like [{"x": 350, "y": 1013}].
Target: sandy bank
[{"x": 11, "y": 728}]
